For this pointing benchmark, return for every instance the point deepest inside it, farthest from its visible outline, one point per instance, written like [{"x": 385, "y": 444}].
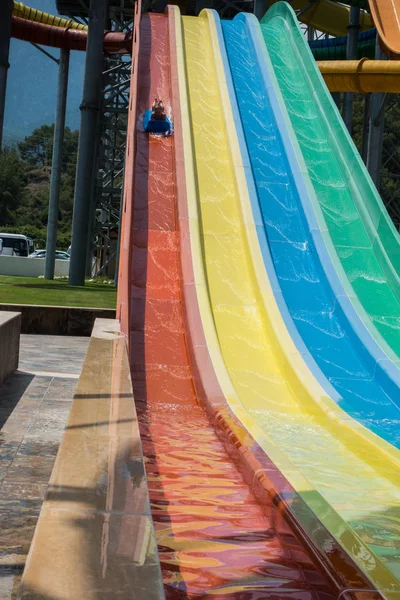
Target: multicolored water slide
[
  {"x": 295, "y": 254},
  {"x": 214, "y": 535},
  {"x": 214, "y": 322}
]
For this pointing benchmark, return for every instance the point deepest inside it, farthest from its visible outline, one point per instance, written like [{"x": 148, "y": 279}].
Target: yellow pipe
[
  {"x": 362, "y": 76},
  {"x": 32, "y": 14},
  {"x": 329, "y": 17}
]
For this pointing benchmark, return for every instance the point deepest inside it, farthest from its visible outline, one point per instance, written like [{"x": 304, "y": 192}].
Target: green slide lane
[{"x": 351, "y": 214}]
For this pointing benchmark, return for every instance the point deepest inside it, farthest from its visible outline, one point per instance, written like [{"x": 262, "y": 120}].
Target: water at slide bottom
[
  {"x": 360, "y": 494},
  {"x": 213, "y": 537}
]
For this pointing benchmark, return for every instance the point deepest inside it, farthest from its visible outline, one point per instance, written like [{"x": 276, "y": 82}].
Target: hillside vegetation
[{"x": 25, "y": 186}]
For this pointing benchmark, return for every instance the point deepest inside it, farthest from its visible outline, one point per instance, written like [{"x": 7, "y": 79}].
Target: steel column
[
  {"x": 90, "y": 106},
  {"x": 260, "y": 8},
  {"x": 6, "y": 7},
  {"x": 56, "y": 164},
  {"x": 364, "y": 139},
  {"x": 376, "y": 128},
  {"x": 351, "y": 54},
  {"x": 336, "y": 97}
]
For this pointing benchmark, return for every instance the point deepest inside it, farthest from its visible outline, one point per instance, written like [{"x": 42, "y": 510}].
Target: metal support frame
[
  {"x": 228, "y": 9},
  {"x": 87, "y": 140},
  {"x": 365, "y": 130},
  {"x": 105, "y": 187},
  {"x": 390, "y": 162},
  {"x": 43, "y": 51},
  {"x": 351, "y": 54},
  {"x": 376, "y": 129},
  {"x": 337, "y": 97},
  {"x": 6, "y": 7},
  {"x": 56, "y": 164},
  {"x": 260, "y": 8},
  {"x": 111, "y": 160}
]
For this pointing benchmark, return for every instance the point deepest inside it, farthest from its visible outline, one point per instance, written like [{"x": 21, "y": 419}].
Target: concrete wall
[
  {"x": 30, "y": 267},
  {"x": 58, "y": 320},
  {"x": 10, "y": 329}
]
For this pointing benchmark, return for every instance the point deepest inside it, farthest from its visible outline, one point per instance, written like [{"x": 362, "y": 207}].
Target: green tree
[
  {"x": 12, "y": 184},
  {"x": 25, "y": 185},
  {"x": 37, "y": 148}
]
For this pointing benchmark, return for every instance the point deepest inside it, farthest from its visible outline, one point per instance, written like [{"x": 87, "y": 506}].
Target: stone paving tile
[
  {"x": 52, "y": 353},
  {"x": 49, "y": 402},
  {"x": 20, "y": 505},
  {"x": 61, "y": 389},
  {"x": 8, "y": 449},
  {"x": 38, "y": 447},
  {"x": 15, "y": 490},
  {"x": 33, "y": 413},
  {"x": 4, "y": 466},
  {"x": 10, "y": 579},
  {"x": 30, "y": 469},
  {"x": 17, "y": 524},
  {"x": 48, "y": 425}
]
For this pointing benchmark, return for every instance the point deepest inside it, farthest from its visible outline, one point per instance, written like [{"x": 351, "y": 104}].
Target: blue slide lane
[{"x": 339, "y": 351}]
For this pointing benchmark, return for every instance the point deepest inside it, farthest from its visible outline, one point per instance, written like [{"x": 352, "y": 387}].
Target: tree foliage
[
  {"x": 37, "y": 148},
  {"x": 12, "y": 184},
  {"x": 25, "y": 185}
]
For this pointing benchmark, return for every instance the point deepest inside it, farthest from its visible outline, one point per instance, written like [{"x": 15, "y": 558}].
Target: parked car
[{"x": 60, "y": 255}]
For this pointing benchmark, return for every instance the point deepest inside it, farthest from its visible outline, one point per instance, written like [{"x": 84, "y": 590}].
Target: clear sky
[{"x": 32, "y": 85}]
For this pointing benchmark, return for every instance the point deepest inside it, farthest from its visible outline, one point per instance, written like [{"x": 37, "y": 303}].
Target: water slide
[
  {"x": 385, "y": 14},
  {"x": 295, "y": 253},
  {"x": 33, "y": 25},
  {"x": 246, "y": 353},
  {"x": 215, "y": 537},
  {"x": 364, "y": 237},
  {"x": 336, "y": 48},
  {"x": 210, "y": 324},
  {"x": 333, "y": 18}
]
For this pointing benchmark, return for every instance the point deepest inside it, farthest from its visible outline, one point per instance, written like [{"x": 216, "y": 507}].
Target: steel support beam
[
  {"x": 90, "y": 106},
  {"x": 260, "y": 8},
  {"x": 351, "y": 54},
  {"x": 376, "y": 128},
  {"x": 6, "y": 7},
  {"x": 56, "y": 164},
  {"x": 336, "y": 97},
  {"x": 364, "y": 140}
]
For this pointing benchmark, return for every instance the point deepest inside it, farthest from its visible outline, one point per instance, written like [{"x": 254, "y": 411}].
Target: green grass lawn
[{"x": 32, "y": 290}]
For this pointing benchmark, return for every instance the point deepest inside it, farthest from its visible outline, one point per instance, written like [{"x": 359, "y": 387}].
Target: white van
[{"x": 14, "y": 244}]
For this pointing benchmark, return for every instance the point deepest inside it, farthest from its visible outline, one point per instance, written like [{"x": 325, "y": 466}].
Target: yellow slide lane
[{"x": 263, "y": 377}]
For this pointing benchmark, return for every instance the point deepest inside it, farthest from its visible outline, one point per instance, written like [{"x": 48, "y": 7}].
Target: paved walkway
[{"x": 34, "y": 407}]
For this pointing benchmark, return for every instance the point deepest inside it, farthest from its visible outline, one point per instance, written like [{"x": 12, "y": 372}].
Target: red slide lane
[{"x": 213, "y": 536}]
